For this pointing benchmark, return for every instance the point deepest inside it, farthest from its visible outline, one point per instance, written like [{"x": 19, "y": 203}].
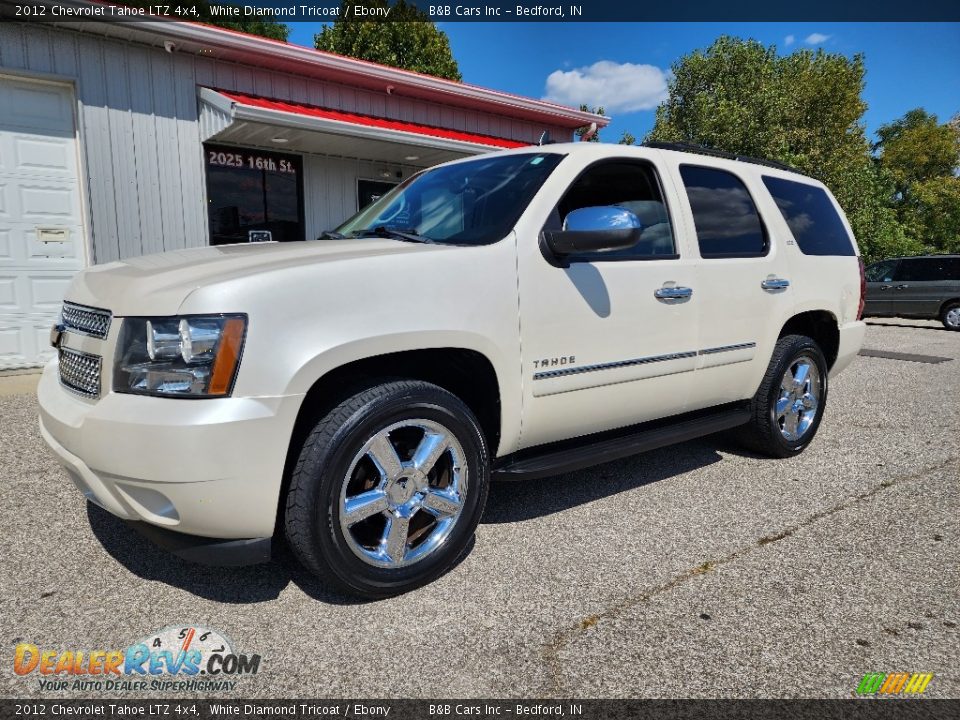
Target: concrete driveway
[{"x": 694, "y": 571}]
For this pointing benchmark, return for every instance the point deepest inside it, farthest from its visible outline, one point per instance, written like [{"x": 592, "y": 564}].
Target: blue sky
[{"x": 623, "y": 64}]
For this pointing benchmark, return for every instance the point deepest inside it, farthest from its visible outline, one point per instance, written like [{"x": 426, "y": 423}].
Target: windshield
[{"x": 469, "y": 203}]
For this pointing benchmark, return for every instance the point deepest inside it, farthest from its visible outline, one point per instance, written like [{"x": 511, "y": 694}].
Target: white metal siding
[{"x": 139, "y": 127}]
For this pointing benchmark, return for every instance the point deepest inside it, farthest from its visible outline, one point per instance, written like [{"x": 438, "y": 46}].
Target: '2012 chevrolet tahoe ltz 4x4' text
[{"x": 512, "y": 315}]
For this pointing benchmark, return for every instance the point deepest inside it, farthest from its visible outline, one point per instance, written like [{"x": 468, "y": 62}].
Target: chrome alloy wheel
[
  {"x": 952, "y": 317},
  {"x": 800, "y": 391},
  {"x": 403, "y": 493}
]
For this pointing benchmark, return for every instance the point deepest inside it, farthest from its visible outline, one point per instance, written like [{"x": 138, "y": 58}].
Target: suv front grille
[
  {"x": 80, "y": 372},
  {"x": 86, "y": 320}
]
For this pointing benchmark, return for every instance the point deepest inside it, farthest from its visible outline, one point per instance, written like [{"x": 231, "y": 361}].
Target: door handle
[
  {"x": 901, "y": 287},
  {"x": 672, "y": 293},
  {"x": 774, "y": 283},
  {"x": 886, "y": 287}
]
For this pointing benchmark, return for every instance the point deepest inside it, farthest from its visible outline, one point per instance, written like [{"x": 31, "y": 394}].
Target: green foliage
[
  {"x": 580, "y": 132},
  {"x": 803, "y": 109},
  {"x": 265, "y": 27},
  {"x": 917, "y": 147},
  {"x": 409, "y": 41},
  {"x": 627, "y": 139},
  {"x": 931, "y": 213},
  {"x": 922, "y": 158}
]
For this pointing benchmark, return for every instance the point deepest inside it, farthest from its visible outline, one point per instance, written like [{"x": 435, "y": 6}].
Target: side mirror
[{"x": 594, "y": 229}]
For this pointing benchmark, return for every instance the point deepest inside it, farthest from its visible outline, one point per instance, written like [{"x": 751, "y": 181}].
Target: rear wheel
[
  {"x": 789, "y": 404},
  {"x": 950, "y": 317},
  {"x": 388, "y": 489}
]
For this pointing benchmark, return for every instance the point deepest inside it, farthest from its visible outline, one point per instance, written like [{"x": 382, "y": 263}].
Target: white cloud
[
  {"x": 789, "y": 40},
  {"x": 618, "y": 87},
  {"x": 816, "y": 38}
]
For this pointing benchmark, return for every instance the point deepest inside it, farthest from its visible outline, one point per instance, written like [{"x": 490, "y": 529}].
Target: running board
[{"x": 571, "y": 455}]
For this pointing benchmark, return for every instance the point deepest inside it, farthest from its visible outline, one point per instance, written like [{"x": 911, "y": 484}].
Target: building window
[
  {"x": 369, "y": 191},
  {"x": 253, "y": 195}
]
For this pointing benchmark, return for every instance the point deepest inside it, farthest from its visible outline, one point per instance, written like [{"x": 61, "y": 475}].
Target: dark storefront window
[
  {"x": 369, "y": 191},
  {"x": 253, "y": 195}
]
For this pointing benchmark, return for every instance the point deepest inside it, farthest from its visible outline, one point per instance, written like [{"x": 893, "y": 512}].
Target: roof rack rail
[{"x": 713, "y": 152}]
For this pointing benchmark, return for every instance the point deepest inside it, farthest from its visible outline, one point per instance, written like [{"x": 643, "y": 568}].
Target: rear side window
[
  {"x": 726, "y": 218},
  {"x": 812, "y": 218},
  {"x": 928, "y": 269}
]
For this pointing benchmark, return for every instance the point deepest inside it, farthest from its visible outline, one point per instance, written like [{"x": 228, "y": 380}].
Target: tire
[
  {"x": 419, "y": 458},
  {"x": 782, "y": 422},
  {"x": 950, "y": 317}
]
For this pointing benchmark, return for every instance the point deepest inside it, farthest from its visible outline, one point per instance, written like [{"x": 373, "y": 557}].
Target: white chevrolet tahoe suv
[{"x": 514, "y": 315}]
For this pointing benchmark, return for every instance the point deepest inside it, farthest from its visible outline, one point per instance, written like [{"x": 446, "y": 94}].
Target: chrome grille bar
[
  {"x": 86, "y": 320},
  {"x": 80, "y": 372}
]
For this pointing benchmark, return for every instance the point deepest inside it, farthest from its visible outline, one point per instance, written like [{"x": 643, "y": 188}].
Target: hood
[{"x": 158, "y": 284}]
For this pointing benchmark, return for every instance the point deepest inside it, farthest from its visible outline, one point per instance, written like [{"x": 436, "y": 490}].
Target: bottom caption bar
[{"x": 862, "y": 709}]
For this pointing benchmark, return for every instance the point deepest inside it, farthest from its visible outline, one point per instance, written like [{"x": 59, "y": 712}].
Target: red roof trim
[{"x": 369, "y": 120}]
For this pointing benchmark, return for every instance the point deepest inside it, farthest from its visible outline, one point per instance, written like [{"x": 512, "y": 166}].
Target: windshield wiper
[
  {"x": 331, "y": 235},
  {"x": 405, "y": 234}
]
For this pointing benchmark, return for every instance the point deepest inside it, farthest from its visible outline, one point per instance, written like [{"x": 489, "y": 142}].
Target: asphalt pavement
[{"x": 693, "y": 571}]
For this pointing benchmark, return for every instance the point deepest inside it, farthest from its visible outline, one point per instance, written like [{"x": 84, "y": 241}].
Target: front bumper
[{"x": 209, "y": 468}]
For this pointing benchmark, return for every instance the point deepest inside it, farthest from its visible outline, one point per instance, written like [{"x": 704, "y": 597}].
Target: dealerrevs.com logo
[{"x": 175, "y": 659}]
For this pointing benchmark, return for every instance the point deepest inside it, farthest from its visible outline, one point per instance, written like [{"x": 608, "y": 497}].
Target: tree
[
  {"x": 922, "y": 158},
  {"x": 409, "y": 40},
  {"x": 803, "y": 109},
  {"x": 580, "y": 132},
  {"x": 932, "y": 213},
  {"x": 917, "y": 147},
  {"x": 627, "y": 139}
]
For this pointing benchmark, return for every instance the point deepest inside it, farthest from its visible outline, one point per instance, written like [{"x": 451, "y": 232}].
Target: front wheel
[
  {"x": 388, "y": 489},
  {"x": 788, "y": 406}
]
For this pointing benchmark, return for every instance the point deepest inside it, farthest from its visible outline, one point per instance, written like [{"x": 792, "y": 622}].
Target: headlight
[{"x": 194, "y": 356}]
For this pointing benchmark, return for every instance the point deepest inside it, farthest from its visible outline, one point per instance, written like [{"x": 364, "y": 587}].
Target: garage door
[{"x": 41, "y": 228}]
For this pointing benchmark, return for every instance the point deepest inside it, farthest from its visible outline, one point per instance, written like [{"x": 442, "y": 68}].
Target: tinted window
[
  {"x": 727, "y": 221},
  {"x": 468, "y": 203},
  {"x": 812, "y": 218},
  {"x": 881, "y": 271},
  {"x": 928, "y": 269},
  {"x": 634, "y": 187}
]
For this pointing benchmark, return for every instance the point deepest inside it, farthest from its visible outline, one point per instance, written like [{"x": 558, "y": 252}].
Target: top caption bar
[{"x": 291, "y": 11}]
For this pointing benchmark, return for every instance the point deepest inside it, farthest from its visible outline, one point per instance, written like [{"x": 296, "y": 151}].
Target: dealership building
[{"x": 123, "y": 139}]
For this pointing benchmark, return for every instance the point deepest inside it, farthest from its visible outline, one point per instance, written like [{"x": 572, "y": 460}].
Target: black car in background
[{"x": 925, "y": 286}]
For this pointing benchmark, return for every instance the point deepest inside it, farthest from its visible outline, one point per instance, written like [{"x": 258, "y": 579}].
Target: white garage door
[{"x": 41, "y": 227}]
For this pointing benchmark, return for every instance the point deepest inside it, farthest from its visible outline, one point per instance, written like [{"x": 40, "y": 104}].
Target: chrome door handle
[
  {"x": 774, "y": 284},
  {"x": 901, "y": 287},
  {"x": 672, "y": 293},
  {"x": 886, "y": 287}
]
